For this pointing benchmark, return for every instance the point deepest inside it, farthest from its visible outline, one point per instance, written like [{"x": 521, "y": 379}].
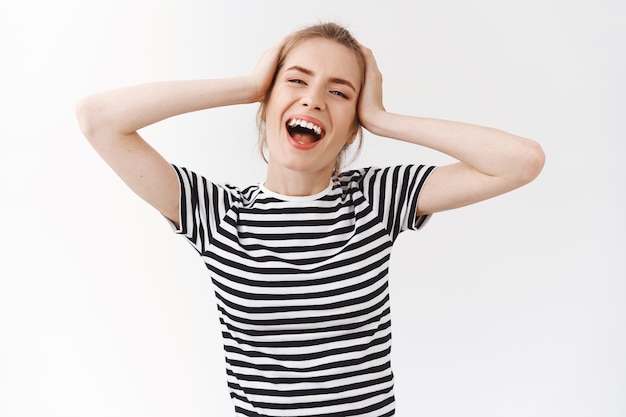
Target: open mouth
[{"x": 304, "y": 132}]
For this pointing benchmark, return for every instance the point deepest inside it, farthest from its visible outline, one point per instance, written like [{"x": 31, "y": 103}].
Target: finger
[{"x": 365, "y": 50}]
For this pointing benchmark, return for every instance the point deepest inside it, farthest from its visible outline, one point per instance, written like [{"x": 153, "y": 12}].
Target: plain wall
[{"x": 512, "y": 307}]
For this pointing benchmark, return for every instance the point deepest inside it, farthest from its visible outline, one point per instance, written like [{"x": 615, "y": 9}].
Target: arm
[
  {"x": 110, "y": 121},
  {"x": 491, "y": 162}
]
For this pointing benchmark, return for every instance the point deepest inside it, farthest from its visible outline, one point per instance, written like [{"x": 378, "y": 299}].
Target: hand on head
[
  {"x": 371, "y": 97},
  {"x": 370, "y": 106},
  {"x": 263, "y": 72}
]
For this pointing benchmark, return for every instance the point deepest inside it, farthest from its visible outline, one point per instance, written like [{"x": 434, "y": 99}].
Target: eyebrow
[{"x": 334, "y": 80}]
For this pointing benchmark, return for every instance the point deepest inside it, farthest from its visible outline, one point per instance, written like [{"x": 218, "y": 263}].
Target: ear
[{"x": 353, "y": 134}]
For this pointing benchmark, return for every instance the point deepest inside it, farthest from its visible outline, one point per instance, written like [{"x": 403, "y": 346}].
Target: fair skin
[{"x": 318, "y": 84}]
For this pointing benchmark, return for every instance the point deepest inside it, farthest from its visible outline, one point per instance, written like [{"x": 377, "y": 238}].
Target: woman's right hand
[{"x": 265, "y": 69}]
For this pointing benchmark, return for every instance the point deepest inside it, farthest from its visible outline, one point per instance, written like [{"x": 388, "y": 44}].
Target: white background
[{"x": 512, "y": 307}]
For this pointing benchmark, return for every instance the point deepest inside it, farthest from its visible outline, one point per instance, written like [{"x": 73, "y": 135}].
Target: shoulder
[
  {"x": 395, "y": 183},
  {"x": 198, "y": 184},
  {"x": 356, "y": 175},
  {"x": 393, "y": 174}
]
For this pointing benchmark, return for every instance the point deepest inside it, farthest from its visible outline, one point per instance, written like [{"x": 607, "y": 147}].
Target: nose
[{"x": 313, "y": 98}]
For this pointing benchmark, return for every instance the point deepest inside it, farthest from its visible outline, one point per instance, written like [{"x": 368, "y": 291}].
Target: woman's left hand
[{"x": 370, "y": 105}]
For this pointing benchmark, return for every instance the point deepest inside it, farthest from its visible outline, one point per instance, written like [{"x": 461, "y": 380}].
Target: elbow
[
  {"x": 532, "y": 163},
  {"x": 86, "y": 115},
  {"x": 93, "y": 117}
]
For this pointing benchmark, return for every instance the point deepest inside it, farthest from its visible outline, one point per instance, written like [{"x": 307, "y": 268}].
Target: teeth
[{"x": 306, "y": 125}]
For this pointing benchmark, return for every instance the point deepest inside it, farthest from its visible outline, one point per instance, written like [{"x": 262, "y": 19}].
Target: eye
[
  {"x": 339, "y": 93},
  {"x": 296, "y": 81}
]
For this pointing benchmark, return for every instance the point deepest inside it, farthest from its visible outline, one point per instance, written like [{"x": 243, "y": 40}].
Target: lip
[{"x": 305, "y": 146}]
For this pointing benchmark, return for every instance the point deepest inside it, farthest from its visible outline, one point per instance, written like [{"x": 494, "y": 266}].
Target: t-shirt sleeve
[
  {"x": 202, "y": 205},
  {"x": 393, "y": 193}
]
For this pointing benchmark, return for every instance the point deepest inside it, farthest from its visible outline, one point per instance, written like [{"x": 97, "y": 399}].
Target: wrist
[
  {"x": 375, "y": 121},
  {"x": 251, "y": 90}
]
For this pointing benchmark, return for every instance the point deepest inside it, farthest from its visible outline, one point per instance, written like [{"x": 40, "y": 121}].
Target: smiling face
[{"x": 311, "y": 113}]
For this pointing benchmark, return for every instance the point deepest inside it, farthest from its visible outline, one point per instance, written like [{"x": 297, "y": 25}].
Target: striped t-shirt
[{"x": 301, "y": 287}]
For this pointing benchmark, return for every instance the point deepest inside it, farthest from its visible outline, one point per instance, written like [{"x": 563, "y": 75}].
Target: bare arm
[
  {"x": 491, "y": 162},
  {"x": 110, "y": 121}
]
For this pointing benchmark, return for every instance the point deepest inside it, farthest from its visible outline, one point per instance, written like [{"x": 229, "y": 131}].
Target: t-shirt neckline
[{"x": 284, "y": 197}]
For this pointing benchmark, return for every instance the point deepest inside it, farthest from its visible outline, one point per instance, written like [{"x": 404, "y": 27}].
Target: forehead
[{"x": 326, "y": 58}]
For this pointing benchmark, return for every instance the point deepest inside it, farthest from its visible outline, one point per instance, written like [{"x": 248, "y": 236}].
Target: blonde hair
[{"x": 330, "y": 31}]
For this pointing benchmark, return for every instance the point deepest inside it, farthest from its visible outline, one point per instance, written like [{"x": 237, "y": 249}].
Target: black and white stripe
[{"x": 302, "y": 290}]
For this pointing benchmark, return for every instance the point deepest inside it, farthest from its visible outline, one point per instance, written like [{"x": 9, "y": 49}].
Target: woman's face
[{"x": 311, "y": 113}]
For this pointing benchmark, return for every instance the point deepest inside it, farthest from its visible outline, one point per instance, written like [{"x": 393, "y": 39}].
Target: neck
[{"x": 296, "y": 183}]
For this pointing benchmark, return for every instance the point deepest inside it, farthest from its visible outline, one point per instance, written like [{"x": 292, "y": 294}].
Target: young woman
[{"x": 299, "y": 263}]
